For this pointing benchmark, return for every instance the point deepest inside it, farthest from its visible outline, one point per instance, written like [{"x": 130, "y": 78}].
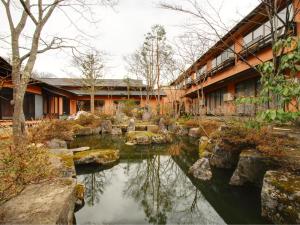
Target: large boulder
[
  {"x": 201, "y": 169},
  {"x": 194, "y": 132},
  {"x": 50, "y": 202},
  {"x": 146, "y": 138},
  {"x": 116, "y": 131},
  {"x": 96, "y": 130},
  {"x": 56, "y": 144},
  {"x": 252, "y": 167},
  {"x": 146, "y": 116},
  {"x": 79, "y": 113},
  {"x": 162, "y": 125},
  {"x": 103, "y": 157},
  {"x": 106, "y": 126},
  {"x": 280, "y": 197},
  {"x": 131, "y": 125},
  {"x": 222, "y": 158}
]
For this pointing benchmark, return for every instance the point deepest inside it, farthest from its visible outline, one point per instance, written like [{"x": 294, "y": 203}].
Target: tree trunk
[
  {"x": 18, "y": 118},
  {"x": 93, "y": 99}
]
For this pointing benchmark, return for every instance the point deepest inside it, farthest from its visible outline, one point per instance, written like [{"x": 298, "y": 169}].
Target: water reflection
[{"x": 150, "y": 185}]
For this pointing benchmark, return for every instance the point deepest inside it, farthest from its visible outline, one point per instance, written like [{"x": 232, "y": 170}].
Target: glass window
[
  {"x": 219, "y": 60},
  {"x": 248, "y": 38},
  {"x": 259, "y": 32},
  {"x": 214, "y": 62},
  {"x": 224, "y": 56},
  {"x": 267, "y": 26}
]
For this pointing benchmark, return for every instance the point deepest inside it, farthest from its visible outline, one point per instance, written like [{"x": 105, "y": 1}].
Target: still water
[{"x": 150, "y": 185}]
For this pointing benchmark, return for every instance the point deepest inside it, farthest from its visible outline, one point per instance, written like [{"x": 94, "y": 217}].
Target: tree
[
  {"x": 128, "y": 84},
  {"x": 150, "y": 61},
  {"x": 91, "y": 67},
  {"x": 277, "y": 75},
  {"x": 35, "y": 14}
]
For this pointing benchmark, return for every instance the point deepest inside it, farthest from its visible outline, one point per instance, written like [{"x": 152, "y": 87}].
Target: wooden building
[
  {"x": 54, "y": 97},
  {"x": 224, "y": 76}
]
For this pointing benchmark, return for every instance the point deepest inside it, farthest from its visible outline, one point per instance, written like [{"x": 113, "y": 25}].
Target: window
[
  {"x": 265, "y": 29},
  {"x": 228, "y": 53},
  {"x": 259, "y": 32},
  {"x": 201, "y": 71}
]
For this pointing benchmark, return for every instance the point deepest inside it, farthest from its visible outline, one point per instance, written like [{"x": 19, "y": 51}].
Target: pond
[{"x": 151, "y": 185}]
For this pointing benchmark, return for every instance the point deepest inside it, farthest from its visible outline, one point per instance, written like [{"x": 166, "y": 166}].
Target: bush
[
  {"x": 49, "y": 129},
  {"x": 88, "y": 120},
  {"x": 18, "y": 168},
  {"x": 238, "y": 137}
]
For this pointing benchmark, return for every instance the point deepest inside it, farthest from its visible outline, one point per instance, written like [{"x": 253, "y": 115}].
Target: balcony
[
  {"x": 262, "y": 42},
  {"x": 225, "y": 64}
]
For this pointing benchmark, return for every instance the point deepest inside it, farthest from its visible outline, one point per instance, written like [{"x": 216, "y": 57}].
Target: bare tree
[
  {"x": 91, "y": 67},
  {"x": 35, "y": 14}
]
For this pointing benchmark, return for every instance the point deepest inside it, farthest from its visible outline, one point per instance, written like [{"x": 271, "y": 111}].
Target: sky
[{"x": 118, "y": 31}]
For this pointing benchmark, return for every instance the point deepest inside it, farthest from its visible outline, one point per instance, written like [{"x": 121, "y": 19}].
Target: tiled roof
[
  {"x": 77, "y": 82},
  {"x": 115, "y": 92}
]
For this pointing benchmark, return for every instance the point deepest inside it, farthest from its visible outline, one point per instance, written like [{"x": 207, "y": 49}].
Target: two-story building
[{"x": 226, "y": 71}]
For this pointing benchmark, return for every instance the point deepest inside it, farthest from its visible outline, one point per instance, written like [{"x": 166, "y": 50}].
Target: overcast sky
[{"x": 119, "y": 31}]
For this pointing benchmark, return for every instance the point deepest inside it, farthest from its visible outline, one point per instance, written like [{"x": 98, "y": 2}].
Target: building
[
  {"x": 54, "y": 97},
  {"x": 223, "y": 76}
]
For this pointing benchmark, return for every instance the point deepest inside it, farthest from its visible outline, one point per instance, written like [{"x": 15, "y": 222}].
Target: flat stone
[
  {"x": 46, "y": 203},
  {"x": 153, "y": 128},
  {"x": 98, "y": 156},
  {"x": 81, "y": 149}
]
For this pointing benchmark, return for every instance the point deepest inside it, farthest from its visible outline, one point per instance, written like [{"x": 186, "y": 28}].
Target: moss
[
  {"x": 109, "y": 154},
  {"x": 67, "y": 159},
  {"x": 202, "y": 148},
  {"x": 134, "y": 134},
  {"x": 79, "y": 191}
]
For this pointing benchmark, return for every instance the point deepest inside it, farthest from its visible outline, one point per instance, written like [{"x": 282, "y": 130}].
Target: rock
[
  {"x": 201, "y": 169},
  {"x": 146, "y": 138},
  {"x": 121, "y": 118},
  {"x": 49, "y": 202},
  {"x": 182, "y": 131},
  {"x": 130, "y": 143},
  {"x": 56, "y": 143},
  {"x": 116, "y": 131},
  {"x": 79, "y": 196},
  {"x": 252, "y": 167},
  {"x": 162, "y": 125},
  {"x": 173, "y": 128},
  {"x": 62, "y": 161},
  {"x": 103, "y": 157},
  {"x": 153, "y": 128},
  {"x": 194, "y": 132},
  {"x": 221, "y": 158},
  {"x": 79, "y": 113},
  {"x": 140, "y": 127},
  {"x": 131, "y": 125},
  {"x": 202, "y": 146},
  {"x": 106, "y": 126},
  {"x": 83, "y": 131},
  {"x": 96, "y": 130},
  {"x": 146, "y": 116},
  {"x": 280, "y": 197},
  {"x": 81, "y": 149}
]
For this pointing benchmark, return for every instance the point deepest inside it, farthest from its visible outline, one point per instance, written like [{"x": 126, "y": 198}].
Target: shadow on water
[{"x": 150, "y": 185}]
